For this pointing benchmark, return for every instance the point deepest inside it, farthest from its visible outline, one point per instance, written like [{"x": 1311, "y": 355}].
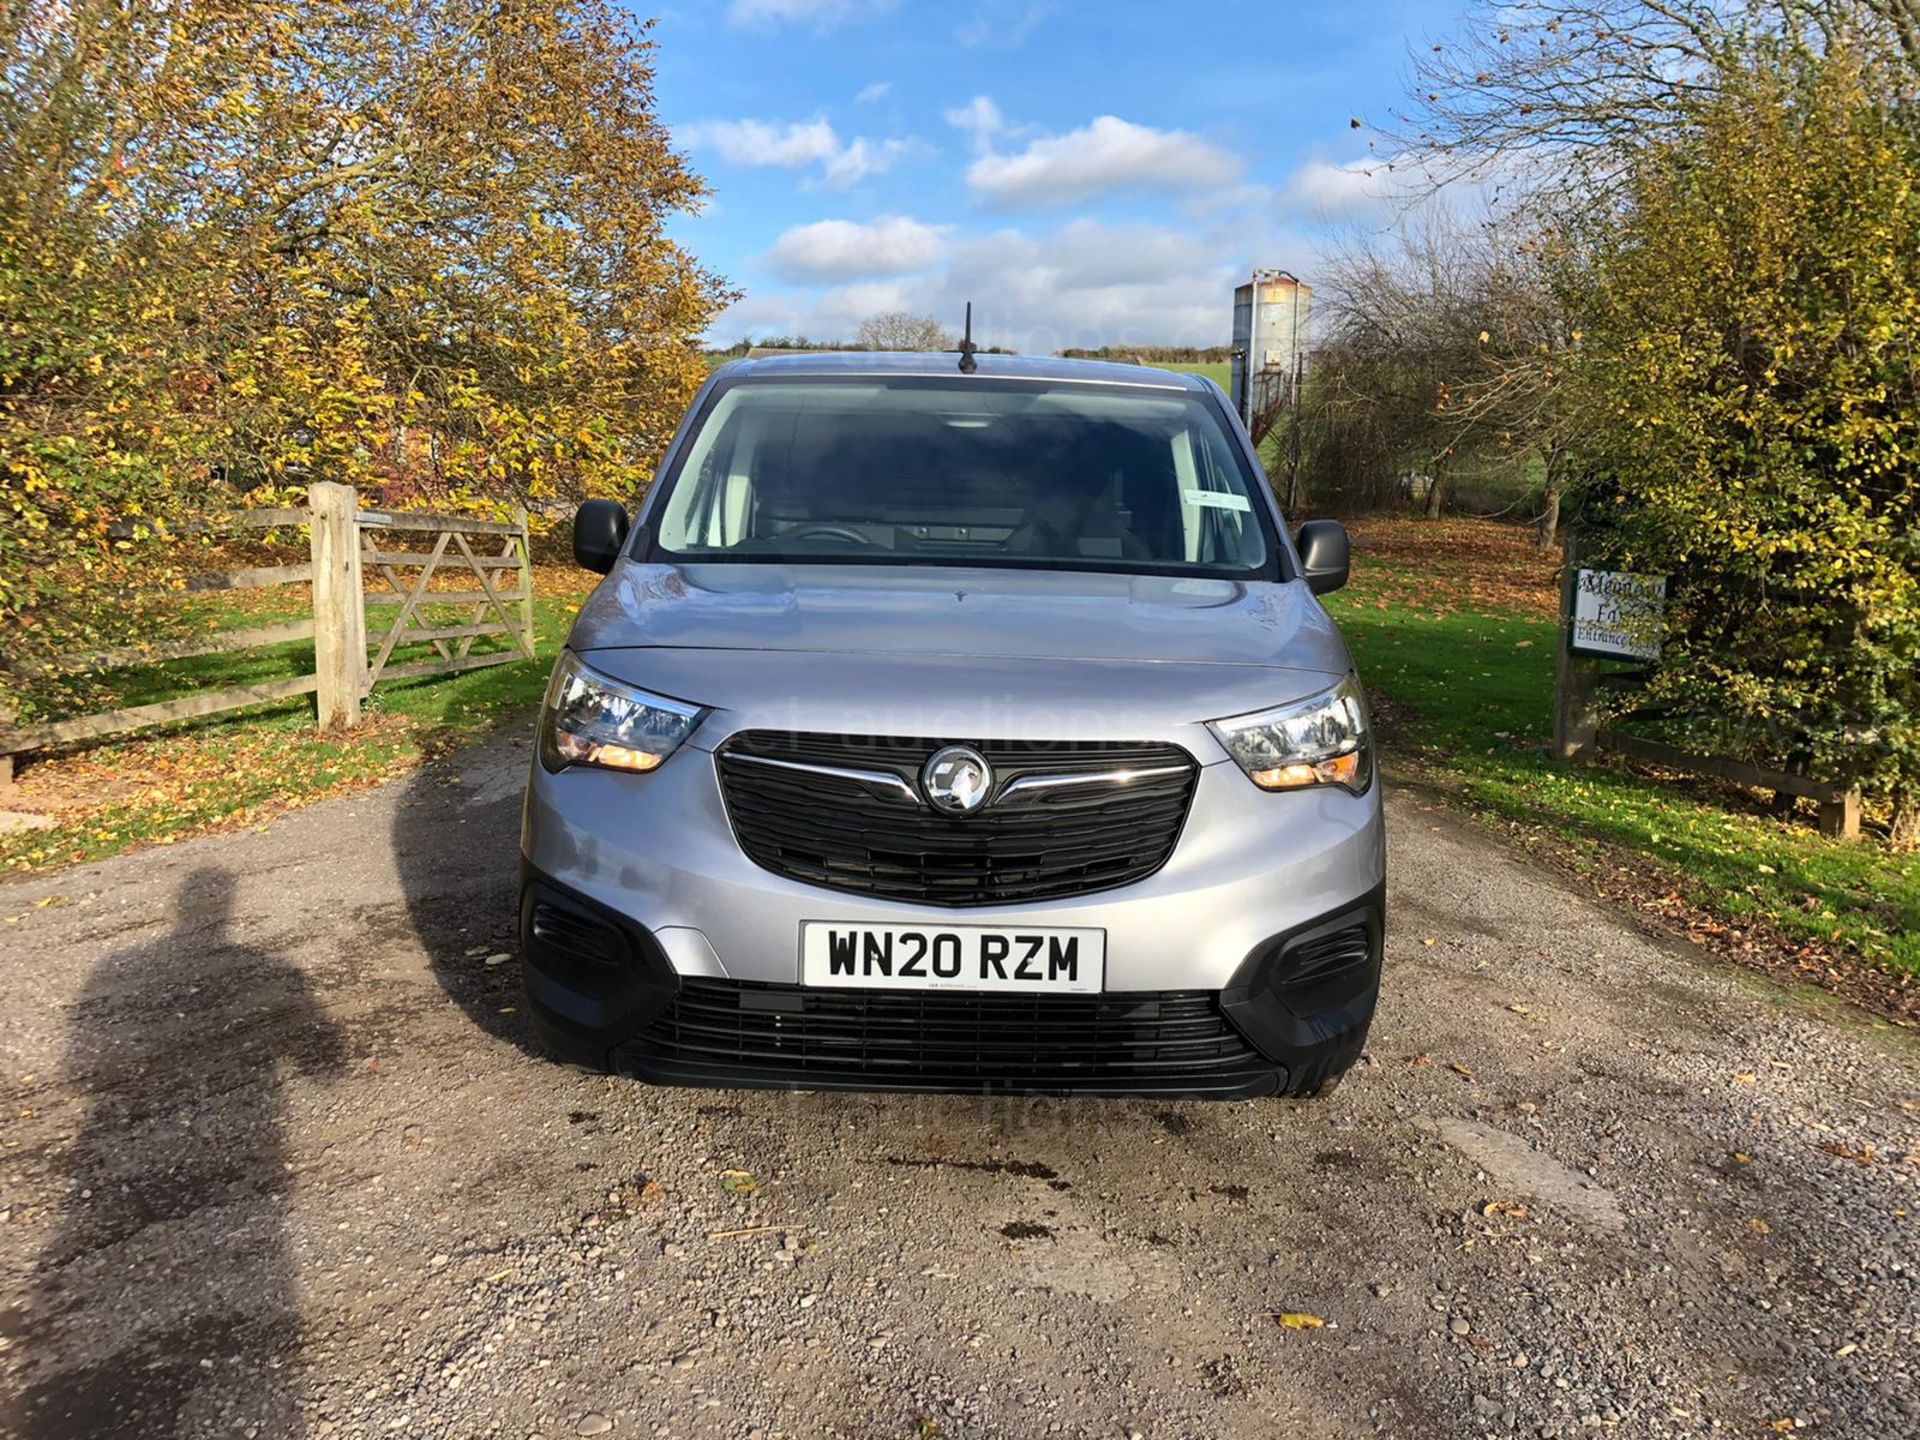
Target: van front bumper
[{"x": 1247, "y": 965}]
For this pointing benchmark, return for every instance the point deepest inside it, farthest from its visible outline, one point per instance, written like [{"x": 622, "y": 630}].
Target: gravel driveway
[{"x": 278, "y": 1161}]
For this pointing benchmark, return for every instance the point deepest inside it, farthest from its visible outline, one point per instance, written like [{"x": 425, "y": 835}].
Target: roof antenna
[{"x": 967, "y": 348}]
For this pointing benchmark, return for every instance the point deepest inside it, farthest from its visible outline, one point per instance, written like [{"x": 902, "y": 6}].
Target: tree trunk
[
  {"x": 1905, "y": 834},
  {"x": 1548, "y": 530},
  {"x": 1438, "y": 484}
]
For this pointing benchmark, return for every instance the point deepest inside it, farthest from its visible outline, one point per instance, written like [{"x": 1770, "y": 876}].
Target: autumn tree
[
  {"x": 412, "y": 246},
  {"x": 897, "y": 330},
  {"x": 1752, "y": 342}
]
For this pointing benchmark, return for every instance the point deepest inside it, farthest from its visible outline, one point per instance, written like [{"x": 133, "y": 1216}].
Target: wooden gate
[
  {"x": 459, "y": 586},
  {"x": 448, "y": 582}
]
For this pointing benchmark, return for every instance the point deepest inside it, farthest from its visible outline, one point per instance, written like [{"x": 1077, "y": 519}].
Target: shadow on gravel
[
  {"x": 456, "y": 846},
  {"x": 166, "y": 1300}
]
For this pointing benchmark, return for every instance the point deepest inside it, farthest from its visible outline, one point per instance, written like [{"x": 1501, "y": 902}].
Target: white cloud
[
  {"x": 1338, "y": 190},
  {"x": 1109, "y": 154},
  {"x": 862, "y": 158},
  {"x": 979, "y": 118},
  {"x": 876, "y": 91},
  {"x": 796, "y": 145},
  {"x": 1003, "y": 24},
  {"x": 762, "y": 142},
  {"x": 1085, "y": 284},
  {"x": 820, "y": 14},
  {"x": 830, "y": 250}
]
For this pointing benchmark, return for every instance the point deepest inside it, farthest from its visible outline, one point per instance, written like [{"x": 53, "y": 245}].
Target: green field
[{"x": 1218, "y": 371}]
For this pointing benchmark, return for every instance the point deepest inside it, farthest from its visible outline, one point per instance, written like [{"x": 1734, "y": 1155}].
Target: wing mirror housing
[
  {"x": 1326, "y": 555},
  {"x": 599, "y": 530}
]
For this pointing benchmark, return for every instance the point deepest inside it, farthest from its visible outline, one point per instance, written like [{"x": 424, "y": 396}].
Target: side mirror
[
  {"x": 599, "y": 530},
  {"x": 1326, "y": 557}
]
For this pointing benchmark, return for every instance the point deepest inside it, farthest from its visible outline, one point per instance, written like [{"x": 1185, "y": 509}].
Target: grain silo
[{"x": 1270, "y": 314}]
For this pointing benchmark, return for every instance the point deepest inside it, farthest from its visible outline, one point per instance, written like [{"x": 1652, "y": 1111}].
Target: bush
[{"x": 1750, "y": 353}]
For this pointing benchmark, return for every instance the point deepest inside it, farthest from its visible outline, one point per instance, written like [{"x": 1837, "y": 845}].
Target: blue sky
[{"x": 1085, "y": 171}]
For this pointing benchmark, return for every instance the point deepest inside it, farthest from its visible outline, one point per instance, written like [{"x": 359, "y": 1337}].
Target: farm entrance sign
[{"x": 1617, "y": 615}]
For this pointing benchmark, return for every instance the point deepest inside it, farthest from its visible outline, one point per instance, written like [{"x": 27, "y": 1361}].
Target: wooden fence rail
[{"x": 341, "y": 547}]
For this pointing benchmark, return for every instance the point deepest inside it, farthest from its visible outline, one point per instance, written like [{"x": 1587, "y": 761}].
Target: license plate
[{"x": 953, "y": 957}]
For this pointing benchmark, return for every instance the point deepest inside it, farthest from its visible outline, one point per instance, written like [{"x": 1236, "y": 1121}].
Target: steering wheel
[{"x": 844, "y": 534}]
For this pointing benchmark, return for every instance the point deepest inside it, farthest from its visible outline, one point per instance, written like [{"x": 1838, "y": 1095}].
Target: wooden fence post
[
  {"x": 526, "y": 575},
  {"x": 1840, "y": 816},
  {"x": 339, "y": 616},
  {"x": 1576, "y": 679}
]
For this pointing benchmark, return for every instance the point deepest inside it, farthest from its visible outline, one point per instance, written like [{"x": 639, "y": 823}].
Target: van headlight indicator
[
  {"x": 592, "y": 719},
  {"x": 1321, "y": 740}
]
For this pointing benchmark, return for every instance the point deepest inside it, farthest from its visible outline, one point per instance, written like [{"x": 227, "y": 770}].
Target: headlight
[
  {"x": 589, "y": 719},
  {"x": 1321, "y": 740}
]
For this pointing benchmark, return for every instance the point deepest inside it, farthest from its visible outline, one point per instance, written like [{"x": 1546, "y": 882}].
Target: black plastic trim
[
  {"x": 1316, "y": 1026},
  {"x": 584, "y": 999}
]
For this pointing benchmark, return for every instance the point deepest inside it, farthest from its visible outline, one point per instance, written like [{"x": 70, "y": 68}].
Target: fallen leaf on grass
[{"x": 1298, "y": 1320}]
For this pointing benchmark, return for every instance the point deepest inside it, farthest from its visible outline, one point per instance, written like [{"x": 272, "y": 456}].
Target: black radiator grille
[
  {"x": 1034, "y": 845},
  {"x": 944, "y": 1039}
]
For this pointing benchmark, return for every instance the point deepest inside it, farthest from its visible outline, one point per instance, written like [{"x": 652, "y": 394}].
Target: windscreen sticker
[{"x": 1218, "y": 499}]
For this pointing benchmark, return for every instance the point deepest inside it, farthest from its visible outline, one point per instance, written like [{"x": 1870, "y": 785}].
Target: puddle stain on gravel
[
  {"x": 1026, "y": 1230},
  {"x": 1336, "y": 1160},
  {"x": 1026, "y": 1169}
]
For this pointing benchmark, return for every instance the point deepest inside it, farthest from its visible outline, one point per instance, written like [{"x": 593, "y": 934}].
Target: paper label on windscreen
[{"x": 1218, "y": 499}]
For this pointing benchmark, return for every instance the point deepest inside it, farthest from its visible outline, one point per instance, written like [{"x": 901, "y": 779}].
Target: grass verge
[{"x": 1453, "y": 626}]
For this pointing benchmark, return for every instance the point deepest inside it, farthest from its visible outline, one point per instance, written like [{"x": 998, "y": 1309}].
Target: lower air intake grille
[
  {"x": 576, "y": 933},
  {"x": 1162, "y": 1040},
  {"x": 1326, "y": 956}
]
